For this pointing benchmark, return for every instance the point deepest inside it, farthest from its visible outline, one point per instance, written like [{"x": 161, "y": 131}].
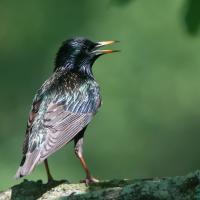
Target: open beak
[{"x": 103, "y": 51}]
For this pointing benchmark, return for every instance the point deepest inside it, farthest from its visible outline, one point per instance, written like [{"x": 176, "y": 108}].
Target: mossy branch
[{"x": 169, "y": 188}]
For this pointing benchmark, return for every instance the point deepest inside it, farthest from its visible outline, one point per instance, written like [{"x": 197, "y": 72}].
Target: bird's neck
[
  {"x": 82, "y": 69},
  {"x": 85, "y": 70}
]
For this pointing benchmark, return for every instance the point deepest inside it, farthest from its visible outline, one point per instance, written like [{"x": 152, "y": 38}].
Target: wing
[
  {"x": 31, "y": 118},
  {"x": 61, "y": 126},
  {"x": 54, "y": 121},
  {"x": 36, "y": 106}
]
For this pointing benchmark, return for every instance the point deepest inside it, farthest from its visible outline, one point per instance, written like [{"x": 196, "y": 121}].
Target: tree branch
[{"x": 169, "y": 188}]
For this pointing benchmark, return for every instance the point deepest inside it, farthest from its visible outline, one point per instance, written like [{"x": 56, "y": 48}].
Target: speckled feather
[{"x": 63, "y": 106}]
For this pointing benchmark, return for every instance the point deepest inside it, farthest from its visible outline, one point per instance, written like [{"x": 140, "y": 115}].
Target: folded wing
[{"x": 54, "y": 121}]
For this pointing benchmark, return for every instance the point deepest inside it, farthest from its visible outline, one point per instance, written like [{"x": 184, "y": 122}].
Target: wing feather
[
  {"x": 53, "y": 121},
  {"x": 62, "y": 131}
]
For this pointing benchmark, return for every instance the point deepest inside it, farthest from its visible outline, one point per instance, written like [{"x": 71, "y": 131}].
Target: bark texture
[{"x": 168, "y": 188}]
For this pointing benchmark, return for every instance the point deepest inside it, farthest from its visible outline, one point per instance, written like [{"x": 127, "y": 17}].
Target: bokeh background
[{"x": 149, "y": 124}]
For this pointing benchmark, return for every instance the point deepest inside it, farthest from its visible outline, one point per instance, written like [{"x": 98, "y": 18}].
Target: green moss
[{"x": 179, "y": 188}]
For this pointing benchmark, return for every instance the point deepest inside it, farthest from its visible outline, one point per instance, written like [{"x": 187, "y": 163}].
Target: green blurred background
[{"x": 150, "y": 119}]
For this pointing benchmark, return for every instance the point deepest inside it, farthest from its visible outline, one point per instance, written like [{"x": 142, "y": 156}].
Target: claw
[{"x": 89, "y": 180}]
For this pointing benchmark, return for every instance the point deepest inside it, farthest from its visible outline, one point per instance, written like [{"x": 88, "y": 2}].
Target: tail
[{"x": 28, "y": 163}]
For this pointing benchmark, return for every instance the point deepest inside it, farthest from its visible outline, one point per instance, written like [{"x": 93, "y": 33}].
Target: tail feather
[{"x": 31, "y": 160}]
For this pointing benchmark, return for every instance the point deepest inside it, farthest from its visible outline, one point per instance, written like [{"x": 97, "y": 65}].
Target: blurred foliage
[
  {"x": 149, "y": 122},
  {"x": 192, "y": 17}
]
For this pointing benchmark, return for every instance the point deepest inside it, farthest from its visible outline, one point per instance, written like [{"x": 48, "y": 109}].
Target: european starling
[{"x": 63, "y": 106}]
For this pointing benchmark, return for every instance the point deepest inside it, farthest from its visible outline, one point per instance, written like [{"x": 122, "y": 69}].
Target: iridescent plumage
[{"x": 63, "y": 106}]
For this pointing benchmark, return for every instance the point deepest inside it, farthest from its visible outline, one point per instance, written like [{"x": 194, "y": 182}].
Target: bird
[{"x": 64, "y": 106}]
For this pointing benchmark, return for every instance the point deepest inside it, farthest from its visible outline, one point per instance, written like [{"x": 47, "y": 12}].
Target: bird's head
[{"x": 80, "y": 54}]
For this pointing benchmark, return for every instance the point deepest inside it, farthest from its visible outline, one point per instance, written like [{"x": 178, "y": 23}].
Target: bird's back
[{"x": 63, "y": 106}]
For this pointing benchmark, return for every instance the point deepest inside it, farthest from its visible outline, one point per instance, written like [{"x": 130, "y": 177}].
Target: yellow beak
[{"x": 104, "y": 43}]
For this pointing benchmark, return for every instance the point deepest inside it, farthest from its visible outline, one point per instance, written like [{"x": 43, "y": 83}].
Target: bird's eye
[{"x": 85, "y": 49}]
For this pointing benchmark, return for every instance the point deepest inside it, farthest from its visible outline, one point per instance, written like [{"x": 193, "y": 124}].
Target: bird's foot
[
  {"x": 89, "y": 180},
  {"x": 50, "y": 179}
]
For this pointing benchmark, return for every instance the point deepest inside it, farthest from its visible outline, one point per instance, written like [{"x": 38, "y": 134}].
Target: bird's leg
[
  {"x": 78, "y": 147},
  {"x": 49, "y": 176}
]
